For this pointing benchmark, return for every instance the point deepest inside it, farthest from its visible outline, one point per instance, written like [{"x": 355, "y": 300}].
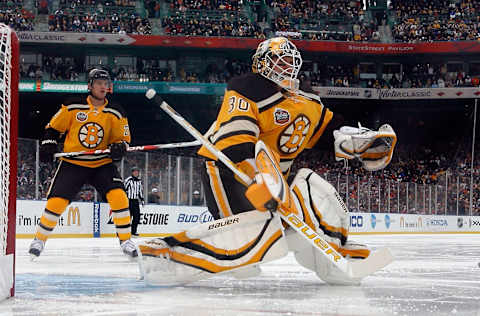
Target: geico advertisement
[{"x": 77, "y": 218}]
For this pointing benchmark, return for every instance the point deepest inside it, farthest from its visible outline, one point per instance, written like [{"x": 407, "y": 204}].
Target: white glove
[{"x": 373, "y": 148}]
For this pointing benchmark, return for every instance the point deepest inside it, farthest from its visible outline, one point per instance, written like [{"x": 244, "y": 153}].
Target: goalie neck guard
[{"x": 278, "y": 60}]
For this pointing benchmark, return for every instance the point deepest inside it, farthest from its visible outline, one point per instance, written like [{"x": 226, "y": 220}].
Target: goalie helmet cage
[{"x": 9, "y": 80}]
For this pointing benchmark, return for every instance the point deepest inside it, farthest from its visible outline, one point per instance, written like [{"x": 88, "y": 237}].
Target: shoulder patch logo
[
  {"x": 281, "y": 116},
  {"x": 82, "y": 116}
]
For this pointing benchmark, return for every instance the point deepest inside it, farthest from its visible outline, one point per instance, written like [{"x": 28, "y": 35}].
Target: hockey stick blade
[{"x": 375, "y": 261}]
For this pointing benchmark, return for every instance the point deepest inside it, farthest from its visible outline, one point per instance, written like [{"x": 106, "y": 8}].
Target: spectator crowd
[
  {"x": 435, "y": 20},
  {"x": 339, "y": 20}
]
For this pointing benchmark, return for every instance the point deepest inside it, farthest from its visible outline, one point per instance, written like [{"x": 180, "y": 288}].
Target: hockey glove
[
  {"x": 48, "y": 145},
  {"x": 118, "y": 150}
]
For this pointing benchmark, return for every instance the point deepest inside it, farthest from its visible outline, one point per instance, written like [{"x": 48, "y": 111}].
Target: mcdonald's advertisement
[
  {"x": 77, "y": 220},
  {"x": 87, "y": 219}
]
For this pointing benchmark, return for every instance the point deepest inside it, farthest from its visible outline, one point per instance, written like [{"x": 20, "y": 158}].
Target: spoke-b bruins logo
[
  {"x": 294, "y": 135},
  {"x": 90, "y": 135}
]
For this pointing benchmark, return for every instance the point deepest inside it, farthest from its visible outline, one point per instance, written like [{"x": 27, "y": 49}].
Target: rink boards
[{"x": 89, "y": 219}]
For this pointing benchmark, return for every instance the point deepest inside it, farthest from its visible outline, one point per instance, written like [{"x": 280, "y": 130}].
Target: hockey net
[{"x": 9, "y": 55}]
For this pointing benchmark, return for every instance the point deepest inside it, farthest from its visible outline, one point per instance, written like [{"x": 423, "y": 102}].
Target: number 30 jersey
[
  {"x": 88, "y": 128},
  {"x": 254, "y": 109}
]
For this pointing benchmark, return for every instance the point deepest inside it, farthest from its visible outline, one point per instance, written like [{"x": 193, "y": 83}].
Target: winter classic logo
[
  {"x": 81, "y": 116},
  {"x": 281, "y": 116}
]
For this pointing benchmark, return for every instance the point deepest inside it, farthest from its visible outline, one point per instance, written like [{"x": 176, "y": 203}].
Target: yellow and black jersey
[
  {"x": 254, "y": 109},
  {"x": 90, "y": 128}
]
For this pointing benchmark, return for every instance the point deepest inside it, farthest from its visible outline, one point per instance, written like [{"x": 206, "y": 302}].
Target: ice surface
[{"x": 432, "y": 275}]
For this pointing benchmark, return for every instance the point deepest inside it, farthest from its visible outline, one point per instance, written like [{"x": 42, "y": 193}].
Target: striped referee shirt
[{"x": 134, "y": 188}]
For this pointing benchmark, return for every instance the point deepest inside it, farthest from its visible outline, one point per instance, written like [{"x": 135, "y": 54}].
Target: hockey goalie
[{"x": 266, "y": 120}]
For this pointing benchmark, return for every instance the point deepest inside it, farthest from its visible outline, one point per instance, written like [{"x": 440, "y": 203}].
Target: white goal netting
[{"x": 8, "y": 156}]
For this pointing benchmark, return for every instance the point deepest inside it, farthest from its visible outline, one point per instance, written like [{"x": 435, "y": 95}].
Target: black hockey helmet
[
  {"x": 135, "y": 168},
  {"x": 98, "y": 74}
]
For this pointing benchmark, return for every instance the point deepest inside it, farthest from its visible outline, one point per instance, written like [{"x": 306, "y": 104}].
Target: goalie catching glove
[{"x": 373, "y": 148}]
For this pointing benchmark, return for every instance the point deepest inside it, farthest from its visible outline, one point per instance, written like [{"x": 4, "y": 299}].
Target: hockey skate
[
  {"x": 36, "y": 248},
  {"x": 129, "y": 248}
]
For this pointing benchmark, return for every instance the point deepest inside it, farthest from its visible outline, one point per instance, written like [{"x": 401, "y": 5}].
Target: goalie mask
[{"x": 278, "y": 60}]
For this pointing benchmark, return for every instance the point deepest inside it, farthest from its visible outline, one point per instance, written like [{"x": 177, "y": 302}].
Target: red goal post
[{"x": 9, "y": 80}]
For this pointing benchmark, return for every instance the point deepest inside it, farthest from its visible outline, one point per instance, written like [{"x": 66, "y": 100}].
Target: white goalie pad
[
  {"x": 235, "y": 244},
  {"x": 321, "y": 206},
  {"x": 373, "y": 148}
]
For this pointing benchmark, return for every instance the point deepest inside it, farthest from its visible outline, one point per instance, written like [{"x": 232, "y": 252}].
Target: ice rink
[{"x": 432, "y": 275}]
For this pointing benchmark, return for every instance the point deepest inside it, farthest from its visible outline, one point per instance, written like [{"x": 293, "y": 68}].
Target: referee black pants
[{"x": 134, "y": 206}]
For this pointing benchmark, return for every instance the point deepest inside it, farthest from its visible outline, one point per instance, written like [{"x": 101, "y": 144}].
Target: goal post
[{"x": 9, "y": 80}]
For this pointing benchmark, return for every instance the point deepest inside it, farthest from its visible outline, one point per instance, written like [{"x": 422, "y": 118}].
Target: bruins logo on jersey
[
  {"x": 90, "y": 135},
  {"x": 294, "y": 135}
]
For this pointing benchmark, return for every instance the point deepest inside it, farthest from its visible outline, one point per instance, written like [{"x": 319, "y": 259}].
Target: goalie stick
[
  {"x": 129, "y": 149},
  {"x": 353, "y": 269}
]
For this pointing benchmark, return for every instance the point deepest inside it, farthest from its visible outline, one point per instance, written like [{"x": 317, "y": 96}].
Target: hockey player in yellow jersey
[
  {"x": 89, "y": 124},
  {"x": 268, "y": 105}
]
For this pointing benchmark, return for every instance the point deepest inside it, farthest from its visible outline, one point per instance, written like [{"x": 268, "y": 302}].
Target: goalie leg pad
[
  {"x": 251, "y": 238},
  {"x": 321, "y": 206}
]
